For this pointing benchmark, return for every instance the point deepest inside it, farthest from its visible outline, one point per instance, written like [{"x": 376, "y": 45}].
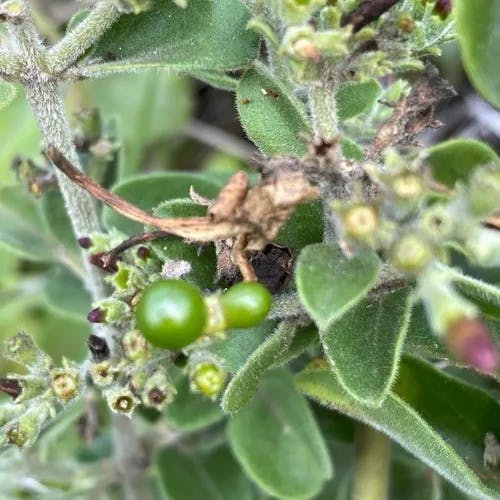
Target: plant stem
[
  {"x": 371, "y": 474},
  {"x": 323, "y": 110},
  {"x": 65, "y": 53},
  {"x": 10, "y": 65},
  {"x": 44, "y": 95}
]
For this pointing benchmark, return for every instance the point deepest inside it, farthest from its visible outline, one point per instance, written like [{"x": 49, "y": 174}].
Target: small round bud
[
  {"x": 411, "y": 253},
  {"x": 121, "y": 400},
  {"x": 143, "y": 253},
  {"x": 436, "y": 222},
  {"x": 442, "y": 8},
  {"x": 66, "y": 385},
  {"x": 135, "y": 346},
  {"x": 97, "y": 315},
  {"x": 408, "y": 186},
  {"x": 405, "y": 23},
  {"x": 305, "y": 49},
  {"x": 208, "y": 378},
  {"x": 85, "y": 242},
  {"x": 360, "y": 221},
  {"x": 471, "y": 341},
  {"x": 102, "y": 374}
]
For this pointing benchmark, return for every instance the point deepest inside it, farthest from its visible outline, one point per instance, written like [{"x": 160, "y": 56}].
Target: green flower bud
[
  {"x": 66, "y": 384},
  {"x": 405, "y": 22},
  {"x": 216, "y": 320},
  {"x": 121, "y": 400},
  {"x": 407, "y": 186},
  {"x": 135, "y": 346},
  {"x": 206, "y": 374},
  {"x": 24, "y": 431},
  {"x": 329, "y": 18},
  {"x": 23, "y": 349},
  {"x": 158, "y": 390},
  {"x": 360, "y": 222},
  {"x": 102, "y": 373},
  {"x": 483, "y": 245},
  {"x": 437, "y": 223},
  {"x": 411, "y": 253}
]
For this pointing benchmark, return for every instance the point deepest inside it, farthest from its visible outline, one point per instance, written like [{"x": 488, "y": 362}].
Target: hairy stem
[
  {"x": 65, "y": 53},
  {"x": 10, "y": 65},
  {"x": 323, "y": 109},
  {"x": 44, "y": 95},
  {"x": 371, "y": 474}
]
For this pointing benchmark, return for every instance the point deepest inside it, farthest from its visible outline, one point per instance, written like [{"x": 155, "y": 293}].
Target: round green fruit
[
  {"x": 171, "y": 314},
  {"x": 246, "y": 304}
]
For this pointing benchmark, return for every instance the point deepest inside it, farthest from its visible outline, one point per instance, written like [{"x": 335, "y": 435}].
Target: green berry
[
  {"x": 246, "y": 304},
  {"x": 171, "y": 314}
]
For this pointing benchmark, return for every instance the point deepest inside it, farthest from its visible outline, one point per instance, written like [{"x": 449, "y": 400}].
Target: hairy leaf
[
  {"x": 329, "y": 284},
  {"x": 148, "y": 191},
  {"x": 478, "y": 30},
  {"x": 207, "y": 35},
  {"x": 364, "y": 345},
  {"x": 270, "y": 115},
  {"x": 209, "y": 476},
  {"x": 399, "y": 421},
  {"x": 356, "y": 98},
  {"x": 454, "y": 160},
  {"x": 278, "y": 443}
]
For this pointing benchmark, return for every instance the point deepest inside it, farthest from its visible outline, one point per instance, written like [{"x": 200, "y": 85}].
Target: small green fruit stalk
[{"x": 456, "y": 320}]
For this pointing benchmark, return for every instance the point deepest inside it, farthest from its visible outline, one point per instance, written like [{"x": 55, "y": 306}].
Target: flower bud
[
  {"x": 216, "y": 320},
  {"x": 483, "y": 246},
  {"x": 102, "y": 373},
  {"x": 66, "y": 384},
  {"x": 85, "y": 242},
  {"x": 407, "y": 186},
  {"x": 411, "y": 253},
  {"x": 437, "y": 223},
  {"x": 121, "y": 400},
  {"x": 471, "y": 341},
  {"x": 405, "y": 23},
  {"x": 143, "y": 253},
  {"x": 206, "y": 374},
  {"x": 360, "y": 222},
  {"x": 158, "y": 390},
  {"x": 97, "y": 315},
  {"x": 22, "y": 349},
  {"x": 442, "y": 8},
  {"x": 135, "y": 346},
  {"x": 305, "y": 49},
  {"x": 25, "y": 430},
  {"x": 99, "y": 348}
]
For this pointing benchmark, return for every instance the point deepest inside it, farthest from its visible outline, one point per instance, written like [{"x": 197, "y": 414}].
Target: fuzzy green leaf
[
  {"x": 7, "y": 94},
  {"x": 399, "y": 421},
  {"x": 201, "y": 258},
  {"x": 239, "y": 344},
  {"x": 148, "y": 191},
  {"x": 351, "y": 150},
  {"x": 190, "y": 412},
  {"x": 356, "y": 98},
  {"x": 454, "y": 160},
  {"x": 329, "y": 284},
  {"x": 270, "y": 115},
  {"x": 217, "y": 79},
  {"x": 245, "y": 383},
  {"x": 152, "y": 114},
  {"x": 304, "y": 227},
  {"x": 486, "y": 296},
  {"x": 364, "y": 345},
  {"x": 278, "y": 443},
  {"x": 207, "y": 35},
  {"x": 209, "y": 476},
  {"x": 22, "y": 229},
  {"x": 66, "y": 294},
  {"x": 478, "y": 27}
]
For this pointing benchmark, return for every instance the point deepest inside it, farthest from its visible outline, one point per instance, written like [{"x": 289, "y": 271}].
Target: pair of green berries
[{"x": 173, "y": 313}]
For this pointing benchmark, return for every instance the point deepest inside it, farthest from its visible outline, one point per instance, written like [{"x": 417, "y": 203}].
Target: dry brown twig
[{"x": 250, "y": 217}]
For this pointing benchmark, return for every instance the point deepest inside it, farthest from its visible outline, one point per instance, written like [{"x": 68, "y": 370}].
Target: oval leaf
[
  {"x": 278, "y": 443},
  {"x": 270, "y": 115},
  {"x": 148, "y": 191},
  {"x": 364, "y": 345},
  {"x": 454, "y": 160},
  {"x": 207, "y": 35},
  {"x": 329, "y": 283},
  {"x": 401, "y": 423},
  {"x": 356, "y": 98},
  {"x": 478, "y": 27}
]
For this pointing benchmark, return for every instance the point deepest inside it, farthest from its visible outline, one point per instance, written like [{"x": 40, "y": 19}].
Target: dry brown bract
[{"x": 251, "y": 217}]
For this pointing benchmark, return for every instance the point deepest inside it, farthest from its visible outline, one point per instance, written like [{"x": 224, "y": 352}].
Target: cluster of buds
[
  {"x": 415, "y": 228},
  {"x": 36, "y": 395}
]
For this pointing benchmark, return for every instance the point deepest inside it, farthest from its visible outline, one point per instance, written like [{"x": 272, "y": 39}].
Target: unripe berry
[{"x": 411, "y": 253}]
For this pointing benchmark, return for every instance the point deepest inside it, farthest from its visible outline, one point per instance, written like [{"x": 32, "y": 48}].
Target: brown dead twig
[{"x": 249, "y": 217}]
